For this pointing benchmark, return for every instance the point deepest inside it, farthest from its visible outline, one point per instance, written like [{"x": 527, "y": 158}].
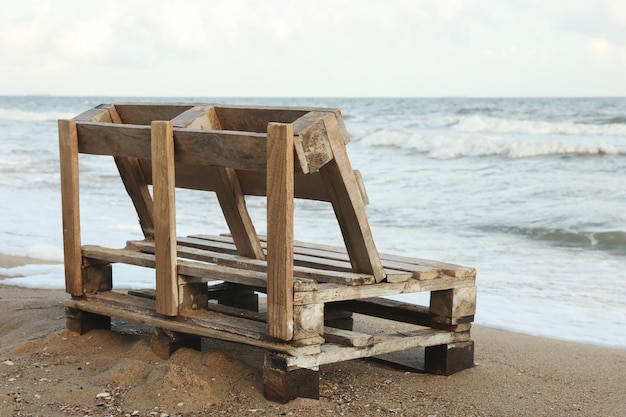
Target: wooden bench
[{"x": 208, "y": 286}]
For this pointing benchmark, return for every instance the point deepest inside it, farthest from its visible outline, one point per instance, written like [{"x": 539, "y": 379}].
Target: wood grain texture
[
  {"x": 163, "y": 173},
  {"x": 347, "y": 201},
  {"x": 68, "y": 155},
  {"x": 280, "y": 168},
  {"x": 233, "y": 204}
]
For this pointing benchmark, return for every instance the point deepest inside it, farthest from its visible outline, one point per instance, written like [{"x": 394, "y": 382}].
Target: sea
[{"x": 529, "y": 191}]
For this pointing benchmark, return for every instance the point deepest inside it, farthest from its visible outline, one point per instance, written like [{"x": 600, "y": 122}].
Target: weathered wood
[
  {"x": 68, "y": 155},
  {"x": 203, "y": 323},
  {"x": 454, "y": 303},
  {"x": 255, "y": 119},
  {"x": 81, "y": 322},
  {"x": 308, "y": 324},
  {"x": 210, "y": 249},
  {"x": 165, "y": 218},
  {"x": 400, "y": 312},
  {"x": 450, "y": 358},
  {"x": 347, "y": 337},
  {"x": 97, "y": 114},
  {"x": 238, "y": 150},
  {"x": 193, "y": 296},
  {"x": 165, "y": 342},
  {"x": 146, "y": 113},
  {"x": 137, "y": 188},
  {"x": 96, "y": 278},
  {"x": 233, "y": 204},
  {"x": 283, "y": 385},
  {"x": 280, "y": 162},
  {"x": 326, "y": 293},
  {"x": 196, "y": 117},
  {"x": 331, "y": 353},
  {"x": 348, "y": 205}
]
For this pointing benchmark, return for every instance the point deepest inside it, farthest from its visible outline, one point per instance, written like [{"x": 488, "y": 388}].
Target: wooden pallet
[{"x": 208, "y": 286}]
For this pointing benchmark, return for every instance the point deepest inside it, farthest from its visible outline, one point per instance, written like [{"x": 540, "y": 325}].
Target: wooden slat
[
  {"x": 193, "y": 272},
  {"x": 332, "y": 353},
  {"x": 348, "y": 204},
  {"x": 201, "y": 323},
  {"x": 68, "y": 153},
  {"x": 146, "y": 113},
  {"x": 328, "y": 261},
  {"x": 164, "y": 217},
  {"x": 280, "y": 164},
  {"x": 196, "y": 117},
  {"x": 187, "y": 249},
  {"x": 255, "y": 119},
  {"x": 347, "y": 337},
  {"x": 238, "y": 150},
  {"x": 311, "y": 143},
  {"x": 331, "y": 292},
  {"x": 233, "y": 204},
  {"x": 446, "y": 268}
]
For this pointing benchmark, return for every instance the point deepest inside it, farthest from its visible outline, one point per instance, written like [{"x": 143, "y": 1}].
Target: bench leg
[
  {"x": 164, "y": 342},
  {"x": 282, "y": 385},
  {"x": 449, "y": 359},
  {"x": 81, "y": 322}
]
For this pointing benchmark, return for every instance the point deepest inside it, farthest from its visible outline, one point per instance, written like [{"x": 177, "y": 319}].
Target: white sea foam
[
  {"x": 448, "y": 146},
  {"x": 490, "y": 124}
]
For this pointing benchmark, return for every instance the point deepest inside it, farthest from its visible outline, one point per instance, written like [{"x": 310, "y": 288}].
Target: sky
[{"x": 321, "y": 48}]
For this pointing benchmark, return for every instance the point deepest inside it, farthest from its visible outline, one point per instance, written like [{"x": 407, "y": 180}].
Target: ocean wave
[
  {"x": 438, "y": 146},
  {"x": 491, "y": 124},
  {"x": 613, "y": 241},
  {"x": 19, "y": 115}
]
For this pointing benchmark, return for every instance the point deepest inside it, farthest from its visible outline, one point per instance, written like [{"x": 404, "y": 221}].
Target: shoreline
[{"x": 46, "y": 369}]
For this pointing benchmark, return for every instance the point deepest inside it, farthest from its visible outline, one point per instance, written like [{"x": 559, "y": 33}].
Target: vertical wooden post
[
  {"x": 280, "y": 194},
  {"x": 163, "y": 183},
  {"x": 68, "y": 155}
]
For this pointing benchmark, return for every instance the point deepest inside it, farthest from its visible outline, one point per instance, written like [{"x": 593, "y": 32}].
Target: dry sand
[{"x": 48, "y": 371}]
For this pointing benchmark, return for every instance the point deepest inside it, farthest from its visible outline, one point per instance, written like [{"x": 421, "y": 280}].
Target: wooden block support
[
  {"x": 97, "y": 278},
  {"x": 280, "y": 168},
  {"x": 454, "y": 304},
  {"x": 81, "y": 322},
  {"x": 449, "y": 359},
  {"x": 68, "y": 155},
  {"x": 164, "y": 217},
  {"x": 165, "y": 342},
  {"x": 282, "y": 385}
]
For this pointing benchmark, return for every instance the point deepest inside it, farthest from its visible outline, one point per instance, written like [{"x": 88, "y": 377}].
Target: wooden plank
[
  {"x": 326, "y": 293},
  {"x": 396, "y": 311},
  {"x": 200, "y": 323},
  {"x": 145, "y": 113},
  {"x": 68, "y": 154},
  {"x": 255, "y": 119},
  {"x": 134, "y": 181},
  {"x": 280, "y": 168},
  {"x": 164, "y": 217},
  {"x": 233, "y": 204},
  {"x": 196, "y": 117},
  {"x": 97, "y": 114},
  {"x": 347, "y": 337},
  {"x": 189, "y": 271},
  {"x": 445, "y": 268},
  {"x": 187, "y": 249},
  {"x": 332, "y": 353},
  {"x": 238, "y": 150},
  {"x": 311, "y": 141},
  {"x": 137, "y": 188},
  {"x": 348, "y": 205}
]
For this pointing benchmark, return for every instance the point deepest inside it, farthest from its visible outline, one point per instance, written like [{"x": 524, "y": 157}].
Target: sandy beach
[{"x": 47, "y": 371}]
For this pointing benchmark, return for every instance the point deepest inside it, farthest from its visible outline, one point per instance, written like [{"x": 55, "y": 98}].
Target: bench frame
[{"x": 312, "y": 290}]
